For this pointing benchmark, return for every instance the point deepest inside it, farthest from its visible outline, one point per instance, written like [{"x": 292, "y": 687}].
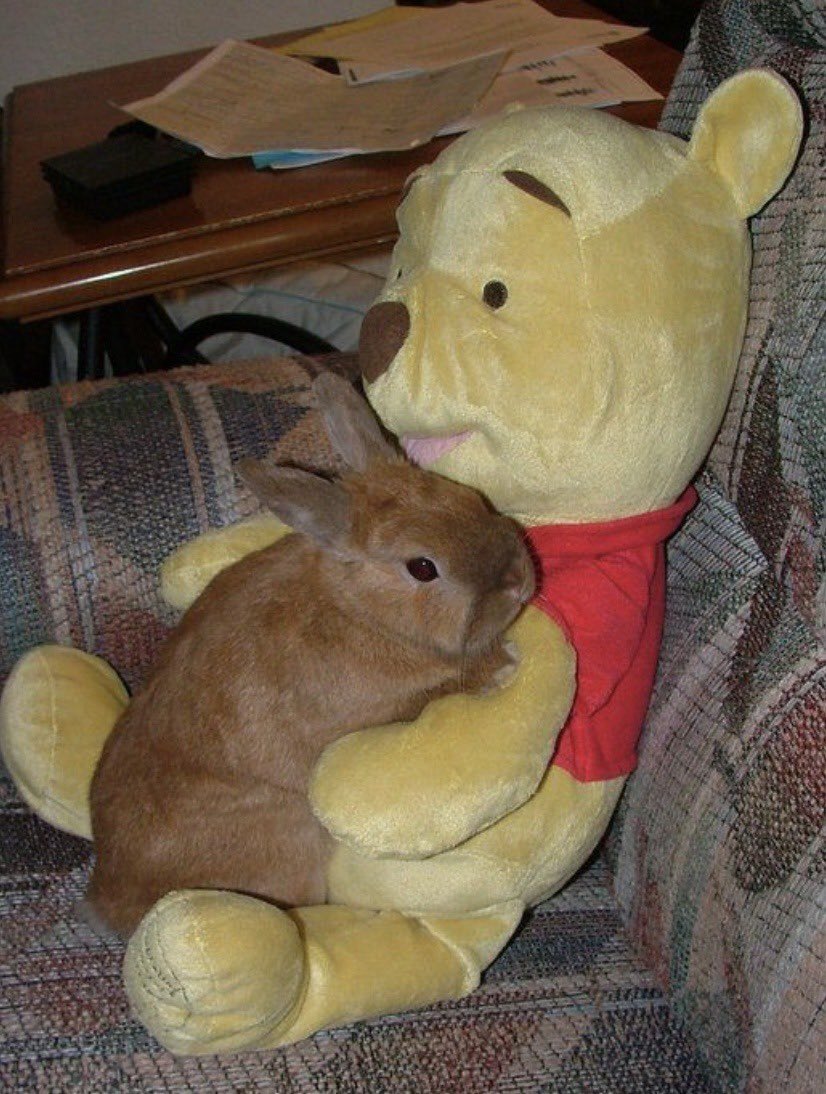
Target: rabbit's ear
[
  {"x": 353, "y": 429},
  {"x": 305, "y": 502}
]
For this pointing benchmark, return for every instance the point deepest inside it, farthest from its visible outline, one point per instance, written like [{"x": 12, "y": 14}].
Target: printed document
[
  {"x": 242, "y": 99},
  {"x": 433, "y": 38}
]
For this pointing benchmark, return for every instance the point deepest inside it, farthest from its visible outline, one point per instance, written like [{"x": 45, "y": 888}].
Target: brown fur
[{"x": 203, "y": 782}]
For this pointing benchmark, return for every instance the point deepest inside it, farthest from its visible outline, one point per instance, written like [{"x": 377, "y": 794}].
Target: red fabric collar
[
  {"x": 604, "y": 585},
  {"x": 608, "y": 537}
]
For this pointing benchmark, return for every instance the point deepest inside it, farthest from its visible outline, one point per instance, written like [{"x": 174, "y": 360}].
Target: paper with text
[
  {"x": 318, "y": 42},
  {"x": 242, "y": 99},
  {"x": 436, "y": 37},
  {"x": 587, "y": 78},
  {"x": 574, "y": 76}
]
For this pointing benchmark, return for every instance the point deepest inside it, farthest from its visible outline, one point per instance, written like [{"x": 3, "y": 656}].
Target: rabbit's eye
[
  {"x": 423, "y": 569},
  {"x": 495, "y": 293}
]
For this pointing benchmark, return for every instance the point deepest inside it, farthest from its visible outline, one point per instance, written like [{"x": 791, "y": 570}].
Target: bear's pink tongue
[{"x": 426, "y": 450}]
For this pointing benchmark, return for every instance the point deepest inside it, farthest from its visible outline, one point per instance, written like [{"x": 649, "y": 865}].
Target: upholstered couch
[{"x": 689, "y": 954}]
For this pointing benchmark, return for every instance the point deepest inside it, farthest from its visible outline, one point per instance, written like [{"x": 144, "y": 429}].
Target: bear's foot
[
  {"x": 214, "y": 971},
  {"x": 211, "y": 971}
]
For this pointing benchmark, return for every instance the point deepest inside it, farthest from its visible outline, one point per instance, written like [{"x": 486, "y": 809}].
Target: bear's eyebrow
[{"x": 531, "y": 185}]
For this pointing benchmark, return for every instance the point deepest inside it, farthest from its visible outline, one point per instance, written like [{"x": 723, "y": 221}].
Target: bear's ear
[{"x": 749, "y": 132}]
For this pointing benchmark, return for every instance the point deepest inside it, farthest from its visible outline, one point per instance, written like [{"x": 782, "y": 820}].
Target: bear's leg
[
  {"x": 210, "y": 971},
  {"x": 57, "y": 709}
]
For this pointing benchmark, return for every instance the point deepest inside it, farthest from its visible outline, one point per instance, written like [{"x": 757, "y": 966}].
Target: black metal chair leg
[
  {"x": 182, "y": 349},
  {"x": 11, "y": 355},
  {"x": 168, "y": 332},
  {"x": 119, "y": 346},
  {"x": 120, "y": 332}
]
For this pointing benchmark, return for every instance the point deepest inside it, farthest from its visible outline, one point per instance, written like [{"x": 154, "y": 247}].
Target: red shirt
[{"x": 604, "y": 584}]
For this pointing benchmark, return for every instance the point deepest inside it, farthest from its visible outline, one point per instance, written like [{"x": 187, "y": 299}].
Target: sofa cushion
[
  {"x": 101, "y": 481},
  {"x": 567, "y": 1007}
]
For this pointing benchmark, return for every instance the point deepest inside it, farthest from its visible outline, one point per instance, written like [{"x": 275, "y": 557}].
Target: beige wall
[{"x": 43, "y": 38}]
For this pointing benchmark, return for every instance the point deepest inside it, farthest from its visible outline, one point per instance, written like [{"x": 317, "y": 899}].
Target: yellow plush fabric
[
  {"x": 753, "y": 160},
  {"x": 57, "y": 709},
  {"x": 530, "y": 853},
  {"x": 254, "y": 951},
  {"x": 186, "y": 574},
  {"x": 568, "y": 299},
  {"x": 271, "y": 977},
  {"x": 616, "y": 348},
  {"x": 415, "y": 790}
]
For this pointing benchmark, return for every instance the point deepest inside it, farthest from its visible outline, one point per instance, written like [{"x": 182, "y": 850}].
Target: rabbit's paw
[
  {"x": 507, "y": 670},
  {"x": 214, "y": 971},
  {"x": 497, "y": 670}
]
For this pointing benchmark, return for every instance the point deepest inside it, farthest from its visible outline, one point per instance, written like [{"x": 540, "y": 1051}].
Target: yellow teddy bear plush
[{"x": 560, "y": 330}]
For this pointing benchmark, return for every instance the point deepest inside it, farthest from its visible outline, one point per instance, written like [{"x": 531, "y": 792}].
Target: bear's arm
[
  {"x": 190, "y": 568},
  {"x": 413, "y": 790}
]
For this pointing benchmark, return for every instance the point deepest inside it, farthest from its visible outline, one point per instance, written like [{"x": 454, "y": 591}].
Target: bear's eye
[
  {"x": 422, "y": 569},
  {"x": 495, "y": 293}
]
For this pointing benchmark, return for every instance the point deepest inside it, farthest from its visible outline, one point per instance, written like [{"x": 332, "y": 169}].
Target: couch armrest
[{"x": 717, "y": 848}]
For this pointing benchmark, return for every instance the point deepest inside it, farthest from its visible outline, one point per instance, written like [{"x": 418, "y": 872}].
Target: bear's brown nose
[{"x": 383, "y": 331}]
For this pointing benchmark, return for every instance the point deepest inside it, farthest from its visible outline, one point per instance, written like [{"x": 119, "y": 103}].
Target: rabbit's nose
[{"x": 383, "y": 331}]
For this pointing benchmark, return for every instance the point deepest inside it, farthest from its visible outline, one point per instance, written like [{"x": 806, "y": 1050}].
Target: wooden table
[{"x": 56, "y": 261}]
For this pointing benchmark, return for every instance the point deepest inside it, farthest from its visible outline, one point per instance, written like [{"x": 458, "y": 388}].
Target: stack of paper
[
  {"x": 416, "y": 39},
  {"x": 406, "y": 75},
  {"x": 582, "y": 77},
  {"x": 242, "y": 99}
]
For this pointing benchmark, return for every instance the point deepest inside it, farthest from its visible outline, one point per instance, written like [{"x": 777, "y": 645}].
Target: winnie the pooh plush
[{"x": 560, "y": 330}]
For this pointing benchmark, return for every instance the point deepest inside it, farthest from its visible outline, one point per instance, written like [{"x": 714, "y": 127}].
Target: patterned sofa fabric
[
  {"x": 98, "y": 483},
  {"x": 718, "y": 846}
]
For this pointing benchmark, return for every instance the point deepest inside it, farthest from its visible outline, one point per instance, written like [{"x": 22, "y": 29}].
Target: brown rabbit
[{"x": 395, "y": 588}]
